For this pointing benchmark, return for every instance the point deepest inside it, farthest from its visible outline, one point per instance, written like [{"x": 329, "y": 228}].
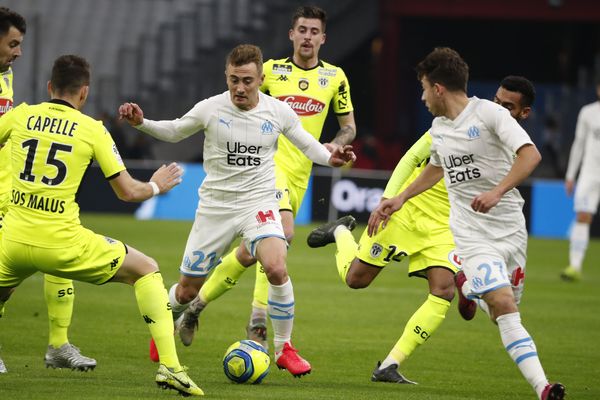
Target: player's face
[
  {"x": 243, "y": 83},
  {"x": 307, "y": 37},
  {"x": 10, "y": 48},
  {"x": 512, "y": 102},
  {"x": 431, "y": 97}
]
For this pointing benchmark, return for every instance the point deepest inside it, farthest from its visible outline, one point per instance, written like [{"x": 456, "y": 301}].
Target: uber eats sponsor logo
[
  {"x": 460, "y": 169},
  {"x": 243, "y": 155},
  {"x": 346, "y": 196}
]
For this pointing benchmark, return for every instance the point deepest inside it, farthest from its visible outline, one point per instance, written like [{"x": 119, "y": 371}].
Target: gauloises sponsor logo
[
  {"x": 5, "y": 106},
  {"x": 303, "y": 106}
]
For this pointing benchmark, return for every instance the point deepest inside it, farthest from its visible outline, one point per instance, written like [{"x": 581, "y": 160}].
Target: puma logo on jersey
[{"x": 226, "y": 123}]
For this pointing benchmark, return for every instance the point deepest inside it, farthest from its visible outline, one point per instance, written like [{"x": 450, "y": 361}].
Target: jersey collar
[
  {"x": 291, "y": 60},
  {"x": 61, "y": 102}
]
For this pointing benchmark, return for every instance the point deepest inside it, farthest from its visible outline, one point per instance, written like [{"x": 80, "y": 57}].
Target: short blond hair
[{"x": 245, "y": 54}]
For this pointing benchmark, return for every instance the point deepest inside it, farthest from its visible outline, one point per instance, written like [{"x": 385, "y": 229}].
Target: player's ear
[
  {"x": 291, "y": 34},
  {"x": 49, "y": 87},
  {"x": 323, "y": 39},
  {"x": 525, "y": 112},
  {"x": 83, "y": 94}
]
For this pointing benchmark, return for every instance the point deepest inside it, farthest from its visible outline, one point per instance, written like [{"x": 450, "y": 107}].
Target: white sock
[
  {"x": 339, "y": 229},
  {"x": 521, "y": 348},
  {"x": 258, "y": 313},
  {"x": 579, "y": 239},
  {"x": 281, "y": 312},
  {"x": 389, "y": 360},
  {"x": 176, "y": 308}
]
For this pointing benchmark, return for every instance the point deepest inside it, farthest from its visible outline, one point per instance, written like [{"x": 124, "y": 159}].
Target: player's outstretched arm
[
  {"x": 381, "y": 215},
  {"x": 164, "y": 179}
]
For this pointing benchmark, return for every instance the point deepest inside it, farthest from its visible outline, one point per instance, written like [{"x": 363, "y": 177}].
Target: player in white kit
[
  {"x": 585, "y": 154},
  {"x": 473, "y": 148},
  {"x": 238, "y": 196}
]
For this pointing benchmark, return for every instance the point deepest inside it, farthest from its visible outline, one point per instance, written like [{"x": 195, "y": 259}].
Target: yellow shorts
[
  {"x": 292, "y": 194},
  {"x": 410, "y": 232},
  {"x": 93, "y": 259}
]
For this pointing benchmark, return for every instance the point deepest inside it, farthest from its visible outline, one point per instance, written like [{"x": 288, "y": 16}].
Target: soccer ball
[{"x": 246, "y": 361}]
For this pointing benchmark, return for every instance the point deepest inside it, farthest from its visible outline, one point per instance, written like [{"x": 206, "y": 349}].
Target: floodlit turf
[{"x": 342, "y": 332}]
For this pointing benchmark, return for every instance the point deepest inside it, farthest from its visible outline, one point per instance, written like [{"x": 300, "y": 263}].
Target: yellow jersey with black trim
[
  {"x": 53, "y": 144},
  {"x": 6, "y": 104},
  {"x": 433, "y": 202},
  {"x": 309, "y": 92}
]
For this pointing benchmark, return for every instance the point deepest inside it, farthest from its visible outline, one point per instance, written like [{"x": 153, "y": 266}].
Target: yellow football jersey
[
  {"x": 6, "y": 103},
  {"x": 309, "y": 92},
  {"x": 52, "y": 146},
  {"x": 433, "y": 202}
]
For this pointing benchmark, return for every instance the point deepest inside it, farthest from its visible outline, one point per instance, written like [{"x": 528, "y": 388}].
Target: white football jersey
[
  {"x": 239, "y": 146},
  {"x": 585, "y": 151},
  {"x": 476, "y": 151}
]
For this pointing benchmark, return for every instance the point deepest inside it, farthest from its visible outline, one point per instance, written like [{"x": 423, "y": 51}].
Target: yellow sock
[
  {"x": 60, "y": 295},
  {"x": 153, "y": 303},
  {"x": 224, "y": 277},
  {"x": 420, "y": 326},
  {"x": 346, "y": 251},
  {"x": 261, "y": 288}
]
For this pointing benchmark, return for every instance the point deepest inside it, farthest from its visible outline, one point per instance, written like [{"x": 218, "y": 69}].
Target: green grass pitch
[{"x": 342, "y": 332}]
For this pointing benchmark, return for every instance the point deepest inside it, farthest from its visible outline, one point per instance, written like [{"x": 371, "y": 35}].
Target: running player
[
  {"x": 59, "y": 292},
  {"x": 474, "y": 143},
  {"x": 309, "y": 85},
  {"x": 584, "y": 155},
  {"x": 420, "y": 231},
  {"x": 53, "y": 144},
  {"x": 238, "y": 197}
]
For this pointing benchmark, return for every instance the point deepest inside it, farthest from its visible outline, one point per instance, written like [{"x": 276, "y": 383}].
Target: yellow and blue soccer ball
[{"x": 246, "y": 361}]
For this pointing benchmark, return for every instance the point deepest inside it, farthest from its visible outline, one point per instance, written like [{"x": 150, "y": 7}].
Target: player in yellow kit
[
  {"x": 59, "y": 292},
  {"x": 310, "y": 86},
  {"x": 53, "y": 144}
]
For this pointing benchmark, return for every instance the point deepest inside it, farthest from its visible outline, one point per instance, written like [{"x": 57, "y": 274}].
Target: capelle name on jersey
[
  {"x": 57, "y": 126},
  {"x": 453, "y": 162}
]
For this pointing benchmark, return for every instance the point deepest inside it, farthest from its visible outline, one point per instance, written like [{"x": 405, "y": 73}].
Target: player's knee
[
  {"x": 501, "y": 304},
  {"x": 584, "y": 218},
  {"x": 446, "y": 293},
  {"x": 276, "y": 274},
  {"x": 355, "y": 281},
  {"x": 244, "y": 257}
]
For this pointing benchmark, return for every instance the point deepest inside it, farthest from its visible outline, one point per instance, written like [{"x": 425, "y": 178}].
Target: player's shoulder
[
  {"x": 591, "y": 108},
  {"x": 329, "y": 70}
]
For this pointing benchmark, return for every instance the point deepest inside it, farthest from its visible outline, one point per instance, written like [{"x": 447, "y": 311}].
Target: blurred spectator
[{"x": 551, "y": 145}]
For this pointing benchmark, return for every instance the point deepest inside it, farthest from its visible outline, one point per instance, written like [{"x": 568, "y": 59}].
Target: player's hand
[
  {"x": 132, "y": 113},
  {"x": 485, "y": 201},
  {"x": 340, "y": 155},
  {"x": 167, "y": 177},
  {"x": 382, "y": 213},
  {"x": 569, "y": 187}
]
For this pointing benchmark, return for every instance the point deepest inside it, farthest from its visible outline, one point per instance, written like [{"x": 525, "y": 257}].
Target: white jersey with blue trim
[
  {"x": 239, "y": 146},
  {"x": 476, "y": 151}
]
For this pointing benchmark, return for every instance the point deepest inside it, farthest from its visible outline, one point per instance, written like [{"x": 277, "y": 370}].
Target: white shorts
[
  {"x": 492, "y": 264},
  {"x": 587, "y": 195},
  {"x": 216, "y": 228}
]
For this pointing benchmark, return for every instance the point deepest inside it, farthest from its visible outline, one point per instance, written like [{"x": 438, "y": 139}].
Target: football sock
[
  {"x": 521, "y": 348},
  {"x": 579, "y": 239},
  {"x": 258, "y": 313},
  {"x": 60, "y": 296},
  {"x": 176, "y": 307},
  {"x": 423, "y": 323},
  {"x": 153, "y": 303},
  {"x": 261, "y": 288},
  {"x": 346, "y": 250},
  {"x": 281, "y": 312},
  {"x": 224, "y": 277}
]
